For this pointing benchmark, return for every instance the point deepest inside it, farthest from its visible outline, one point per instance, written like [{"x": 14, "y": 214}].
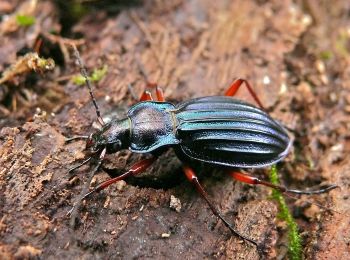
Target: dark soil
[{"x": 296, "y": 54}]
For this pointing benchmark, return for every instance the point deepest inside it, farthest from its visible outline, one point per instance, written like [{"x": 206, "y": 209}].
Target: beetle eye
[{"x": 116, "y": 145}]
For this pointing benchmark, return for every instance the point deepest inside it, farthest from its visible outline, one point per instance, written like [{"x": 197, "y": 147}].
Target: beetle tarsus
[
  {"x": 74, "y": 210},
  {"x": 191, "y": 176},
  {"x": 79, "y": 165},
  {"x": 242, "y": 177},
  {"x": 311, "y": 192},
  {"x": 70, "y": 211}
]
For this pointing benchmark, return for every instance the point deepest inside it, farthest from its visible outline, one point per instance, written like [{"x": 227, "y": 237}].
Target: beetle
[{"x": 216, "y": 130}]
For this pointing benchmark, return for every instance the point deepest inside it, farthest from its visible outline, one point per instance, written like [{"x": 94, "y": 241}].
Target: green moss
[
  {"x": 326, "y": 55},
  {"x": 96, "y": 76},
  {"x": 77, "y": 10},
  {"x": 294, "y": 247},
  {"x": 25, "y": 20},
  {"x": 341, "y": 43}
]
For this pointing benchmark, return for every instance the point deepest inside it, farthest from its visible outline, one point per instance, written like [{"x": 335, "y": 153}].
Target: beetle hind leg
[
  {"x": 191, "y": 176},
  {"x": 242, "y": 177}
]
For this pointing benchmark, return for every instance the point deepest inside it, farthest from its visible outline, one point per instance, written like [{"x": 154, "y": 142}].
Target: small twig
[
  {"x": 64, "y": 43},
  {"x": 57, "y": 39}
]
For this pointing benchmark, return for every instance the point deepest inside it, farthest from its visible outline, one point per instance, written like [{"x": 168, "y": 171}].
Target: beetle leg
[
  {"x": 256, "y": 181},
  {"x": 232, "y": 90},
  {"x": 160, "y": 94},
  {"x": 150, "y": 85},
  {"x": 159, "y": 90},
  {"x": 191, "y": 176},
  {"x": 137, "y": 168},
  {"x": 73, "y": 212},
  {"x": 79, "y": 165},
  {"x": 146, "y": 96}
]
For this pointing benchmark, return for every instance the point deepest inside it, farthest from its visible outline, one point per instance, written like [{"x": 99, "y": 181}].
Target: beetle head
[
  {"x": 95, "y": 143},
  {"x": 113, "y": 136}
]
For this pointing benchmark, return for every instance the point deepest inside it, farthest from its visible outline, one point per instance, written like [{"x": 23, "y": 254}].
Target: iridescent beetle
[{"x": 217, "y": 130}]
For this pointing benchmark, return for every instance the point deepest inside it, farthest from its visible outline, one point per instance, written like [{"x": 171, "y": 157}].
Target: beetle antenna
[{"x": 88, "y": 83}]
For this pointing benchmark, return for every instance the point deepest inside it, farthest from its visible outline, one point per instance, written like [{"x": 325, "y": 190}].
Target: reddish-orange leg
[
  {"x": 160, "y": 94},
  {"x": 236, "y": 84},
  {"x": 242, "y": 177},
  {"x": 149, "y": 85},
  {"x": 137, "y": 168},
  {"x": 146, "y": 95},
  {"x": 191, "y": 176}
]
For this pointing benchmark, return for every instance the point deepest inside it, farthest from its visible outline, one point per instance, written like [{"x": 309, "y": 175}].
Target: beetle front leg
[
  {"x": 73, "y": 212},
  {"x": 191, "y": 176},
  {"x": 137, "y": 168},
  {"x": 236, "y": 84},
  {"x": 242, "y": 177}
]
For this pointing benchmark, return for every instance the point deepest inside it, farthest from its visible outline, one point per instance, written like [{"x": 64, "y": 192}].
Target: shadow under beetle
[{"x": 217, "y": 130}]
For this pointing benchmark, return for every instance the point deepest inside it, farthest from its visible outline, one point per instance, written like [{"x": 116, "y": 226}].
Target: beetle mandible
[{"x": 217, "y": 130}]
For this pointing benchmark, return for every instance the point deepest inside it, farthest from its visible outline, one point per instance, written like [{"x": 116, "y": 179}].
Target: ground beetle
[{"x": 217, "y": 130}]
